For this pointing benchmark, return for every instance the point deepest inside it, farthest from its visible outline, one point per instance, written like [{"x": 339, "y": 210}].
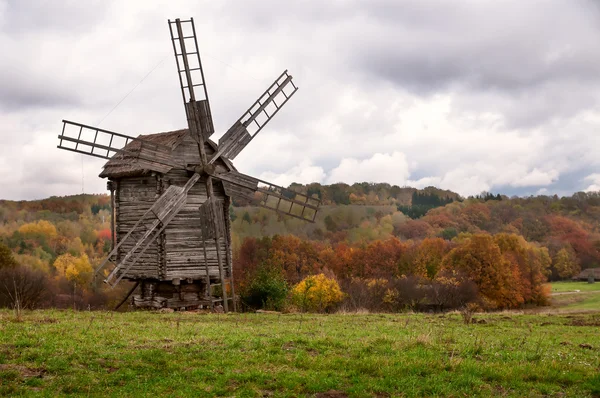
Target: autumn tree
[
  {"x": 568, "y": 231},
  {"x": 480, "y": 258},
  {"x": 317, "y": 293},
  {"x": 75, "y": 269},
  {"x": 7, "y": 259},
  {"x": 429, "y": 255},
  {"x": 530, "y": 265},
  {"x": 39, "y": 228},
  {"x": 20, "y": 286},
  {"x": 565, "y": 263}
]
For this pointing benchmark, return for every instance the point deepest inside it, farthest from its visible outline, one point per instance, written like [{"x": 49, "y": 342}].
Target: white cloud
[
  {"x": 381, "y": 167},
  {"x": 536, "y": 178},
  {"x": 595, "y": 183},
  {"x": 304, "y": 173}
]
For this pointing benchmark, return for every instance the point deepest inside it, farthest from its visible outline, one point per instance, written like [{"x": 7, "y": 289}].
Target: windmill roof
[{"x": 128, "y": 165}]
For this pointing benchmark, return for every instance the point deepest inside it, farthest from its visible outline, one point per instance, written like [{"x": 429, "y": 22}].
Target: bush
[
  {"x": 363, "y": 294},
  {"x": 21, "y": 287},
  {"x": 405, "y": 293},
  {"x": 266, "y": 289},
  {"x": 452, "y": 290},
  {"x": 317, "y": 293}
]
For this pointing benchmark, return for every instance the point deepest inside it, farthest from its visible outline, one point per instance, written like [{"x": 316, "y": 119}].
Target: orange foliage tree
[{"x": 481, "y": 259}]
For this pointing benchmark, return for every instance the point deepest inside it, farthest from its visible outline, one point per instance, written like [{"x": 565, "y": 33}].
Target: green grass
[
  {"x": 54, "y": 352},
  {"x": 568, "y": 300},
  {"x": 589, "y": 301},
  {"x": 558, "y": 287}
]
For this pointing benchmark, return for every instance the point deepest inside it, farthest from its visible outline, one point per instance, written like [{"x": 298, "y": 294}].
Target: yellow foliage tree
[
  {"x": 75, "y": 269},
  {"x": 32, "y": 262},
  {"x": 41, "y": 227},
  {"x": 566, "y": 263},
  {"x": 317, "y": 293}
]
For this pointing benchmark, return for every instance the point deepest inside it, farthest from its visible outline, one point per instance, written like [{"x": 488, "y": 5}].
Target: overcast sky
[{"x": 467, "y": 95}]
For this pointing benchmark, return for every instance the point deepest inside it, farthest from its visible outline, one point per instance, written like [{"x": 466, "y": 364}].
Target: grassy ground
[
  {"x": 559, "y": 287},
  {"x": 566, "y": 298},
  {"x": 251, "y": 355}
]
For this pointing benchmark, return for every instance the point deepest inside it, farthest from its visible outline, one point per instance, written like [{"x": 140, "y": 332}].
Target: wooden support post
[
  {"x": 228, "y": 253},
  {"x": 116, "y": 212},
  {"x": 210, "y": 192},
  {"x": 111, "y": 186}
]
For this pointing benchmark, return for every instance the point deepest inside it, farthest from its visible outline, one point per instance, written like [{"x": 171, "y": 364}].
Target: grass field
[
  {"x": 566, "y": 298},
  {"x": 51, "y": 353},
  {"x": 559, "y": 287}
]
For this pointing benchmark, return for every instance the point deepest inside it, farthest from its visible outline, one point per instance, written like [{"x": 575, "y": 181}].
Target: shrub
[
  {"x": 451, "y": 290},
  {"x": 405, "y": 293},
  {"x": 317, "y": 293},
  {"x": 21, "y": 287},
  {"x": 267, "y": 289},
  {"x": 363, "y": 294}
]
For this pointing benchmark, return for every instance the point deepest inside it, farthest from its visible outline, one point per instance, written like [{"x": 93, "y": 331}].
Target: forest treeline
[{"x": 388, "y": 247}]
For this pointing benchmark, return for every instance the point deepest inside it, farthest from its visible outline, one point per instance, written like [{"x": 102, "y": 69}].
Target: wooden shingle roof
[
  {"x": 122, "y": 165},
  {"x": 126, "y": 165}
]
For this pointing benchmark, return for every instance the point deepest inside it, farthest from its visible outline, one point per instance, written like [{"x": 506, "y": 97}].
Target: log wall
[
  {"x": 183, "y": 243},
  {"x": 178, "y": 251},
  {"x": 135, "y": 196}
]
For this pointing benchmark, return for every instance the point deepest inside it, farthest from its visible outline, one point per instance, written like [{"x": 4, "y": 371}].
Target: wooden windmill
[{"x": 171, "y": 191}]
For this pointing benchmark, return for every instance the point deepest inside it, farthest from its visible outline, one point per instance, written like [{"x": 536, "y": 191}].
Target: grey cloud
[
  {"x": 19, "y": 94},
  {"x": 519, "y": 50},
  {"x": 34, "y": 17},
  {"x": 362, "y": 68}
]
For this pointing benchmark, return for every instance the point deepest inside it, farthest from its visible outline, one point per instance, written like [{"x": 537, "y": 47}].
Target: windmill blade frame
[
  {"x": 191, "y": 75},
  {"x": 111, "y": 143},
  {"x": 274, "y": 197},
  {"x": 256, "y": 117}
]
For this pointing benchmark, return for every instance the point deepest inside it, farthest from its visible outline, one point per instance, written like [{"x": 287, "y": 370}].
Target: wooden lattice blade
[
  {"x": 256, "y": 117},
  {"x": 191, "y": 78},
  {"x": 105, "y": 144},
  {"x": 270, "y": 196}
]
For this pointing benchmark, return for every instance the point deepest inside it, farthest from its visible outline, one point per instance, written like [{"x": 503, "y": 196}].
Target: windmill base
[{"x": 155, "y": 294}]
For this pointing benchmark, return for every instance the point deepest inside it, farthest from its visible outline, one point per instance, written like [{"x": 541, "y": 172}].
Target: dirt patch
[
  {"x": 9, "y": 350},
  {"x": 23, "y": 370},
  {"x": 584, "y": 322},
  {"x": 312, "y": 352},
  {"x": 288, "y": 346},
  {"x": 46, "y": 320},
  {"x": 331, "y": 394}
]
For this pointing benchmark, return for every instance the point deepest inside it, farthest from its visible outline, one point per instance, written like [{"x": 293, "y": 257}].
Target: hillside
[{"x": 363, "y": 231}]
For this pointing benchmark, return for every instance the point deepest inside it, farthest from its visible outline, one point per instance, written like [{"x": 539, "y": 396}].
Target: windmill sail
[
  {"x": 191, "y": 77},
  {"x": 271, "y": 196},
  {"x": 94, "y": 141},
  {"x": 256, "y": 117}
]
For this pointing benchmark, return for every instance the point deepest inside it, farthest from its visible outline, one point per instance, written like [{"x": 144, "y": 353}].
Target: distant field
[
  {"x": 558, "y": 287},
  {"x": 252, "y": 355},
  {"x": 566, "y": 298}
]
